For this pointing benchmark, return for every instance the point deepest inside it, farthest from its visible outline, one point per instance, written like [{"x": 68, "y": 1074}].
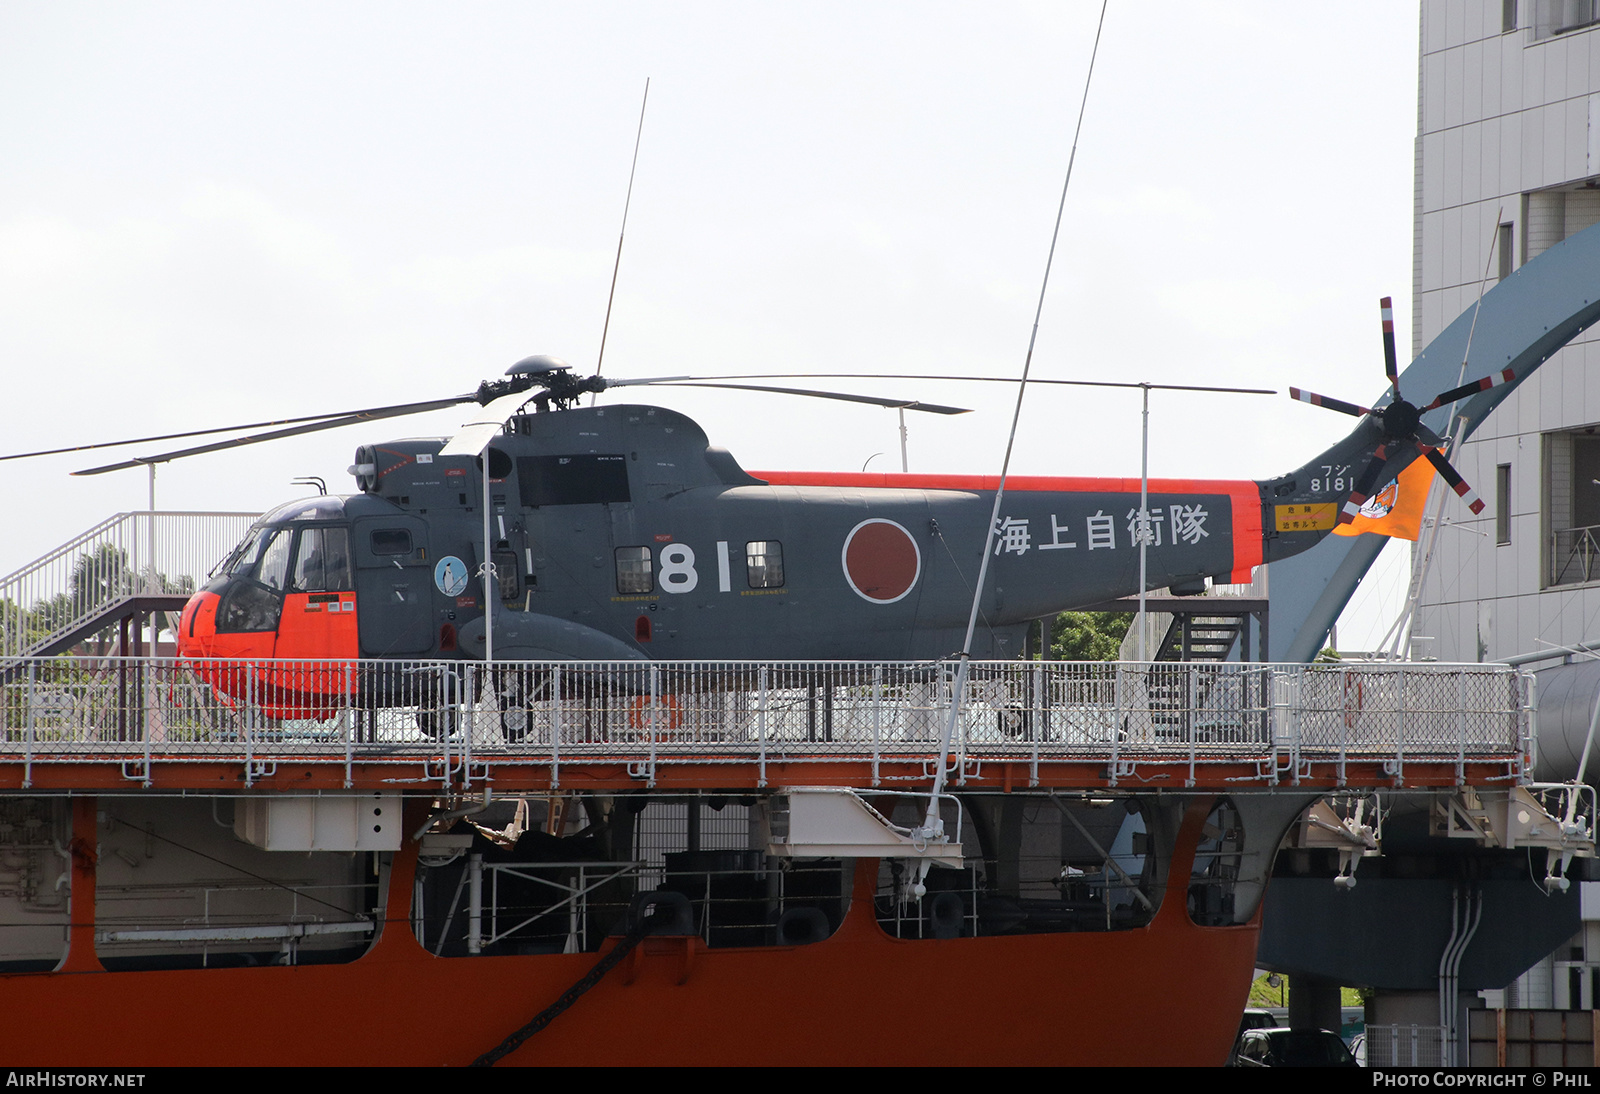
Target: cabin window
[
  {"x": 391, "y": 541},
  {"x": 274, "y": 569},
  {"x": 505, "y": 570},
  {"x": 322, "y": 563},
  {"x": 634, "y": 571},
  {"x": 763, "y": 560}
]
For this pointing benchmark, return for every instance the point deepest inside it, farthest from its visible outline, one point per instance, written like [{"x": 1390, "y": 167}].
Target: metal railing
[
  {"x": 654, "y": 713},
  {"x": 127, "y": 555},
  {"x": 1574, "y": 555},
  {"x": 209, "y": 918},
  {"x": 558, "y": 896},
  {"x": 1405, "y": 1046},
  {"x": 568, "y": 907}
]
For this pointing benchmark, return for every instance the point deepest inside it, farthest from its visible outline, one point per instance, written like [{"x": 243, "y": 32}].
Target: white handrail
[{"x": 654, "y": 714}]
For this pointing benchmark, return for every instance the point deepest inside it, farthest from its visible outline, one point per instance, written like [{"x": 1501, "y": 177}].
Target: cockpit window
[
  {"x": 322, "y": 561},
  {"x": 244, "y": 554},
  {"x": 273, "y": 571}
]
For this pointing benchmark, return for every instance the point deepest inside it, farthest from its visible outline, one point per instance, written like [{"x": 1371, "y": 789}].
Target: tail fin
[{"x": 1302, "y": 507}]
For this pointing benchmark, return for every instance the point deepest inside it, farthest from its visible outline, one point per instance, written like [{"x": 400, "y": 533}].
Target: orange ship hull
[{"x": 1166, "y": 994}]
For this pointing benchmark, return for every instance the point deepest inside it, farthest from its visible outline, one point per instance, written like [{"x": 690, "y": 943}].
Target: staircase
[
  {"x": 1203, "y": 633},
  {"x": 127, "y": 566},
  {"x": 1201, "y": 637}
]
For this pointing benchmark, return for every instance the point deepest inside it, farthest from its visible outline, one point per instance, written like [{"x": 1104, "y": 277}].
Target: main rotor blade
[
  {"x": 1390, "y": 368},
  {"x": 1326, "y": 401},
  {"x": 402, "y": 408},
  {"x": 964, "y": 379},
  {"x": 895, "y": 404},
  {"x": 1450, "y": 476},
  {"x": 472, "y": 438},
  {"x": 1494, "y": 379},
  {"x": 356, "y": 418}
]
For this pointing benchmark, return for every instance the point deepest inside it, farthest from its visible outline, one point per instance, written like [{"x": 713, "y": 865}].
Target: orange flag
[{"x": 1396, "y": 510}]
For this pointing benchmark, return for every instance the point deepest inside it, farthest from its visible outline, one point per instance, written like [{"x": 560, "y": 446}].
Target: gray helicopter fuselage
[{"x": 619, "y": 532}]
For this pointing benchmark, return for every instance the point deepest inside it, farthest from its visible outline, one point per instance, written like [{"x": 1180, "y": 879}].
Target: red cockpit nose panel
[{"x": 198, "y": 625}]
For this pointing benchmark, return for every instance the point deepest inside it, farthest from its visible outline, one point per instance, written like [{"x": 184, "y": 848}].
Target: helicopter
[{"x": 619, "y": 533}]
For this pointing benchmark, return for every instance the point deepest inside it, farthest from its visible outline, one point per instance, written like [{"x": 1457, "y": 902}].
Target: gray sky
[{"x": 214, "y": 213}]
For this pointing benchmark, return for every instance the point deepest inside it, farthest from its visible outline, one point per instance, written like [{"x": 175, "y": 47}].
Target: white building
[{"x": 1508, "y": 163}]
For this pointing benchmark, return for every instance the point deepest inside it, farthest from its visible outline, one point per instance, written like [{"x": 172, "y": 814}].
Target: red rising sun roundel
[{"x": 881, "y": 561}]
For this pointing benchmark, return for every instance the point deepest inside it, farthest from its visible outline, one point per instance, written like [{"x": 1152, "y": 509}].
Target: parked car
[
  {"x": 1257, "y": 1018},
  {"x": 1291, "y": 1048}
]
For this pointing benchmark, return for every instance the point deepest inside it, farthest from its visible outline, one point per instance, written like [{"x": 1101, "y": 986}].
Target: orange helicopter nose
[{"x": 197, "y": 627}]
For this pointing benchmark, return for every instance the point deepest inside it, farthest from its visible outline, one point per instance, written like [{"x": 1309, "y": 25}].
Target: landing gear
[
  {"x": 439, "y": 706},
  {"x": 521, "y": 692}
]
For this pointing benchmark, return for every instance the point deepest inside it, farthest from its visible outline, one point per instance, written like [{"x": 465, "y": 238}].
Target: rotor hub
[{"x": 1400, "y": 420}]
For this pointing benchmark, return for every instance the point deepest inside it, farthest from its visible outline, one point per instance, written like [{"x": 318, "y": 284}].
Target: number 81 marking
[{"x": 677, "y": 569}]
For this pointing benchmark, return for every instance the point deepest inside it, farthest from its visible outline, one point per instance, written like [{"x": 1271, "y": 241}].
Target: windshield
[
  {"x": 318, "y": 508},
  {"x": 242, "y": 554}
]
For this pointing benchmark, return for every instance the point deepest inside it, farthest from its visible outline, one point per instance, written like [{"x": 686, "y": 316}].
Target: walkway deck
[{"x": 165, "y": 725}]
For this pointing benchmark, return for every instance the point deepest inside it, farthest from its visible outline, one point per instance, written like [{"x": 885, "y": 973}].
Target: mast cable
[
  {"x": 1400, "y": 632},
  {"x": 933, "y": 825},
  {"x": 626, "y": 202}
]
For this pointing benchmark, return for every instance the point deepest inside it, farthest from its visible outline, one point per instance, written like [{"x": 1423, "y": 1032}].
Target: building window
[
  {"x": 763, "y": 559},
  {"x": 1508, "y": 16},
  {"x": 633, "y": 570},
  {"x": 1560, "y": 16},
  {"x": 1554, "y": 215},
  {"x": 1505, "y": 248},
  {"x": 1572, "y": 506},
  {"x": 1502, "y": 503}
]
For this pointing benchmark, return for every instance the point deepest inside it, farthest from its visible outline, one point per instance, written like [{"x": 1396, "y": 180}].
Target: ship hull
[
  {"x": 1168, "y": 993},
  {"x": 1151, "y": 997}
]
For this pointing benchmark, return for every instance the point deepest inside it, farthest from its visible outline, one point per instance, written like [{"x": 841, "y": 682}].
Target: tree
[
  {"x": 1088, "y": 636},
  {"x": 21, "y": 628},
  {"x": 99, "y": 579}
]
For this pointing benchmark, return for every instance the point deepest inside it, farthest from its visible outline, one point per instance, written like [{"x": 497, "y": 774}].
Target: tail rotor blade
[
  {"x": 1390, "y": 367},
  {"x": 1364, "y": 485},
  {"x": 1494, "y": 379},
  {"x": 1327, "y": 401},
  {"x": 1457, "y": 483}
]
